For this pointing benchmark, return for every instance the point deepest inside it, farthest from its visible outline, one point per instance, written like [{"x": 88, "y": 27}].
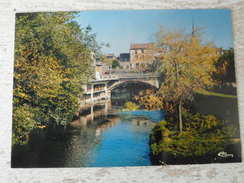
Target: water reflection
[
  {"x": 85, "y": 132},
  {"x": 108, "y": 139},
  {"x": 100, "y": 136}
]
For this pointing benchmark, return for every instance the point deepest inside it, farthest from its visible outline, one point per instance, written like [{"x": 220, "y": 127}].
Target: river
[{"x": 102, "y": 136}]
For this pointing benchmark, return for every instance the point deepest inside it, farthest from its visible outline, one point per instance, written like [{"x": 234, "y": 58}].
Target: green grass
[{"x": 210, "y": 93}]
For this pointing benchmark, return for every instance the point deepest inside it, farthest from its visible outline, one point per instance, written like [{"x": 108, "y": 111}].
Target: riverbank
[
  {"x": 102, "y": 137},
  {"x": 225, "y": 108}
]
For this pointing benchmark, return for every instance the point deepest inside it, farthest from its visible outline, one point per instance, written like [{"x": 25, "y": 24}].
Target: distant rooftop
[{"x": 141, "y": 46}]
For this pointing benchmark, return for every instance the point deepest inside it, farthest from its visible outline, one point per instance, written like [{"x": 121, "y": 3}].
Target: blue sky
[{"x": 123, "y": 27}]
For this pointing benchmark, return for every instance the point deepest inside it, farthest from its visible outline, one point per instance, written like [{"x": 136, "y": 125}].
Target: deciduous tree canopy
[
  {"x": 52, "y": 60},
  {"x": 187, "y": 66}
]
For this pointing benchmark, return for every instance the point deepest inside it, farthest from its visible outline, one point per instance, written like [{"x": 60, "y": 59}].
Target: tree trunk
[{"x": 180, "y": 116}]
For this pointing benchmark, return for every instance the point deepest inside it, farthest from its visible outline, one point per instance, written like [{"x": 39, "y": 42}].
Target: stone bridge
[
  {"x": 147, "y": 78},
  {"x": 101, "y": 88}
]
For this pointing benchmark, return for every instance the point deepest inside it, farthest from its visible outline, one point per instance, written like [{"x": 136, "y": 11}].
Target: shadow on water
[
  {"x": 154, "y": 116},
  {"x": 98, "y": 137},
  {"x": 103, "y": 136}
]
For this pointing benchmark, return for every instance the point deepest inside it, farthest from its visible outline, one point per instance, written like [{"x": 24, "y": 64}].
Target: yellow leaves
[
  {"x": 187, "y": 64},
  {"x": 130, "y": 106},
  {"x": 51, "y": 61},
  {"x": 151, "y": 102},
  {"x": 23, "y": 95}
]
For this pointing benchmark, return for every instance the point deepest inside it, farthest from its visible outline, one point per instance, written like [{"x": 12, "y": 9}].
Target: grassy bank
[
  {"x": 196, "y": 144},
  {"x": 211, "y": 93},
  {"x": 223, "y": 106}
]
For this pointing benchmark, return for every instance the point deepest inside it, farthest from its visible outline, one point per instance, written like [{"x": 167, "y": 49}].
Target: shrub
[
  {"x": 130, "y": 106},
  {"x": 23, "y": 123},
  {"x": 202, "y": 135}
]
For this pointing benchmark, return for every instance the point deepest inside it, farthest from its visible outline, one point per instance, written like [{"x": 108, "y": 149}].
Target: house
[
  {"x": 124, "y": 59},
  {"x": 141, "y": 55}
]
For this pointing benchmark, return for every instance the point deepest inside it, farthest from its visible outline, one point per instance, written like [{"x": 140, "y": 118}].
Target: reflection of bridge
[
  {"x": 101, "y": 88},
  {"x": 101, "y": 116},
  {"x": 92, "y": 112}
]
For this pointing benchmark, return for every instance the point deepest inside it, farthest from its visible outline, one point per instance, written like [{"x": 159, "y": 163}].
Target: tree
[
  {"x": 226, "y": 67},
  {"x": 105, "y": 60},
  {"x": 115, "y": 64},
  {"x": 187, "y": 65},
  {"x": 52, "y": 60},
  {"x": 130, "y": 106},
  {"x": 153, "y": 67},
  {"x": 204, "y": 135}
]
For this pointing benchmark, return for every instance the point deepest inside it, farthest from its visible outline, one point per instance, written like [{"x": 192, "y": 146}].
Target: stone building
[{"x": 141, "y": 55}]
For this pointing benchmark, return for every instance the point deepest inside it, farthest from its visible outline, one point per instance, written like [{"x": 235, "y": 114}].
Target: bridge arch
[
  {"x": 119, "y": 83},
  {"x": 102, "y": 88}
]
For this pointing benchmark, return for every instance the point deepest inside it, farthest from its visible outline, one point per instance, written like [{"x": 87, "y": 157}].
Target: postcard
[{"x": 115, "y": 88}]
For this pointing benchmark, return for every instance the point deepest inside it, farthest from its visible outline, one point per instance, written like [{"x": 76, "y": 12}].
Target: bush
[
  {"x": 203, "y": 135},
  {"x": 130, "y": 106},
  {"x": 23, "y": 123},
  {"x": 198, "y": 121}
]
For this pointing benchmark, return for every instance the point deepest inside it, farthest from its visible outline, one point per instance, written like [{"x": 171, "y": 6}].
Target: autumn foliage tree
[
  {"x": 187, "y": 65},
  {"x": 52, "y": 60}
]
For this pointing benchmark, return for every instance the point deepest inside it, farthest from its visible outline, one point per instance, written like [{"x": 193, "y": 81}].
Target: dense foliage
[
  {"x": 187, "y": 65},
  {"x": 151, "y": 100},
  {"x": 52, "y": 60},
  {"x": 130, "y": 106},
  {"x": 226, "y": 67},
  {"x": 203, "y": 135},
  {"x": 115, "y": 64}
]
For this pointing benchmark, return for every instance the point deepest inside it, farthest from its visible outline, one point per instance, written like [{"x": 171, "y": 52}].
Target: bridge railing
[
  {"x": 126, "y": 75},
  {"x": 137, "y": 75},
  {"x": 109, "y": 76}
]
